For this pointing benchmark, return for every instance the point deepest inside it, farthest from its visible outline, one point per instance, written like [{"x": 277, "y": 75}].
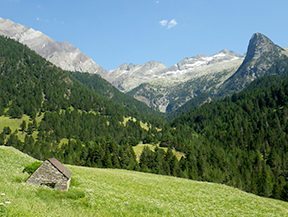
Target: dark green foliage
[
  {"x": 243, "y": 139},
  {"x": 239, "y": 141},
  {"x": 30, "y": 168},
  {"x": 191, "y": 104},
  {"x": 23, "y": 126},
  {"x": 104, "y": 88},
  {"x": 2, "y": 138},
  {"x": 6, "y": 130},
  {"x": 284, "y": 193},
  {"x": 159, "y": 162},
  {"x": 92, "y": 123},
  {"x": 30, "y": 128}
]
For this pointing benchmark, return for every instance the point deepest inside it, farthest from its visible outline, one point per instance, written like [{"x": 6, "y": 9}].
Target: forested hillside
[
  {"x": 104, "y": 88},
  {"x": 239, "y": 141},
  {"x": 67, "y": 120}
]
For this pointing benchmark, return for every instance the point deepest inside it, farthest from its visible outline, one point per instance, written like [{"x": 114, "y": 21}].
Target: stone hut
[{"x": 53, "y": 174}]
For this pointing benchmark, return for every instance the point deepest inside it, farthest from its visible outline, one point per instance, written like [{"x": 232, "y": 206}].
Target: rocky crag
[{"x": 262, "y": 55}]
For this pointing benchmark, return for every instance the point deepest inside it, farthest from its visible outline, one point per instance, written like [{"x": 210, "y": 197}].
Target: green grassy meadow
[
  {"x": 112, "y": 192},
  {"x": 15, "y": 123},
  {"x": 138, "y": 149}
]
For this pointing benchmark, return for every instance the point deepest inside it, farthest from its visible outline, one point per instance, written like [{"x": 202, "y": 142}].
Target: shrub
[{"x": 30, "y": 168}]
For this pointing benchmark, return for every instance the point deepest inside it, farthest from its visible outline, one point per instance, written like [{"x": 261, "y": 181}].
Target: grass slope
[
  {"x": 138, "y": 149},
  {"x": 108, "y": 192}
]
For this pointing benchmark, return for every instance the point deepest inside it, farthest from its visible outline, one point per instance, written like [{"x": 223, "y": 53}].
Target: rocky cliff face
[
  {"x": 63, "y": 55},
  {"x": 262, "y": 53}
]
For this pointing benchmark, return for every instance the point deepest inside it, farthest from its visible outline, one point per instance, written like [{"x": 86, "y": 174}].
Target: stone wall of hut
[{"x": 48, "y": 175}]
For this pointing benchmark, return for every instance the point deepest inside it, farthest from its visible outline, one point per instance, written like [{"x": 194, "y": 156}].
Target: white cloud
[
  {"x": 163, "y": 22},
  {"x": 37, "y": 19},
  {"x": 171, "y": 24},
  {"x": 157, "y": 2}
]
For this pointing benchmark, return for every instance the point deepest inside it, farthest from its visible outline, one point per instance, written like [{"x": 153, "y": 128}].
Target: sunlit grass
[
  {"x": 15, "y": 123},
  {"x": 139, "y": 148},
  {"x": 12, "y": 123},
  {"x": 142, "y": 125},
  {"x": 111, "y": 192}
]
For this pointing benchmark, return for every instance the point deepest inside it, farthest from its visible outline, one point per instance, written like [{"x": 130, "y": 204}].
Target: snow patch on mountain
[{"x": 127, "y": 77}]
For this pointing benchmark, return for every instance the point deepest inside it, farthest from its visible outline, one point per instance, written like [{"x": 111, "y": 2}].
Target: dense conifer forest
[
  {"x": 104, "y": 88},
  {"x": 68, "y": 110},
  {"x": 240, "y": 141}
]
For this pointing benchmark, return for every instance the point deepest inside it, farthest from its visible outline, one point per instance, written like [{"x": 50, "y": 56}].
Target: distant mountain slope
[
  {"x": 127, "y": 77},
  {"x": 63, "y": 55},
  {"x": 108, "y": 192},
  {"x": 174, "y": 86}
]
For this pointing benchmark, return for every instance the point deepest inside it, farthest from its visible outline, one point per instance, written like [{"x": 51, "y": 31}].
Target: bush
[{"x": 30, "y": 168}]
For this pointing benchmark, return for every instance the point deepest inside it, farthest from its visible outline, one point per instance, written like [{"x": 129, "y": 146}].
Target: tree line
[{"x": 240, "y": 141}]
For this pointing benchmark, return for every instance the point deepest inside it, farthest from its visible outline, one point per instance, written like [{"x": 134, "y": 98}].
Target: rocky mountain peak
[
  {"x": 258, "y": 45},
  {"x": 229, "y": 52},
  {"x": 152, "y": 65},
  {"x": 261, "y": 54}
]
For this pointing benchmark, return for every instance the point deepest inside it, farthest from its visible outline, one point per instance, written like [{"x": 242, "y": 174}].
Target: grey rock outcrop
[
  {"x": 262, "y": 53},
  {"x": 63, "y": 55}
]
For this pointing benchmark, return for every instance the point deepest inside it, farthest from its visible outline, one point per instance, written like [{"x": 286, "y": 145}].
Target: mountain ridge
[
  {"x": 163, "y": 88},
  {"x": 185, "y": 80},
  {"x": 179, "y": 72},
  {"x": 63, "y": 55}
]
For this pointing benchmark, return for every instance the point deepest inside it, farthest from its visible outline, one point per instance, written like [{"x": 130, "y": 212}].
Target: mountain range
[
  {"x": 174, "y": 86},
  {"x": 163, "y": 88}
]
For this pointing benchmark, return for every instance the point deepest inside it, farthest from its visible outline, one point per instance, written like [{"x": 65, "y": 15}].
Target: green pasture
[{"x": 112, "y": 192}]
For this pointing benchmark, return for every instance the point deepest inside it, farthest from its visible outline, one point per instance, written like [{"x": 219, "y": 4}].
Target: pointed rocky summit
[
  {"x": 262, "y": 53},
  {"x": 258, "y": 45}
]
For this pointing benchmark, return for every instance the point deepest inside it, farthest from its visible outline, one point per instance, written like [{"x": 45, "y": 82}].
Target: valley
[{"x": 213, "y": 128}]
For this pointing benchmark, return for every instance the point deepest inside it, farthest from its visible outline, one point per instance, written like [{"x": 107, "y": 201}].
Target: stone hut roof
[{"x": 60, "y": 167}]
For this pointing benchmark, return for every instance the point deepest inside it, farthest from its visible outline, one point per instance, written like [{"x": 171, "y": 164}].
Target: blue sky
[{"x": 113, "y": 32}]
